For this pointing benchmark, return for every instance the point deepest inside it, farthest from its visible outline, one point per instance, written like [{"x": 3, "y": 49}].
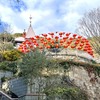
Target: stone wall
[{"x": 81, "y": 78}]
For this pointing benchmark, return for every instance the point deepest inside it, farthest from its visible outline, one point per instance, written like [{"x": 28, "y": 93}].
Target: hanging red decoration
[
  {"x": 61, "y": 33},
  {"x": 32, "y": 38},
  {"x": 85, "y": 49},
  {"x": 74, "y": 35},
  {"x": 49, "y": 39},
  {"x": 52, "y": 34},
  {"x": 44, "y": 35},
  {"x": 37, "y": 37},
  {"x": 65, "y": 38},
  {"x": 73, "y": 46},
  {"x": 48, "y": 47},
  {"x": 81, "y": 44},
  {"x": 57, "y": 40},
  {"x": 67, "y": 34},
  {"x": 65, "y": 46},
  {"x": 56, "y": 46},
  {"x": 79, "y": 48},
  {"x": 40, "y": 47},
  {"x": 79, "y": 37},
  {"x": 61, "y": 41},
  {"x": 56, "y": 37},
  {"x": 76, "y": 43},
  {"x": 31, "y": 46}
]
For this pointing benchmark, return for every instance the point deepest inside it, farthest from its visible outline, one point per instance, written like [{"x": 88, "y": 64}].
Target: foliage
[
  {"x": 6, "y": 37},
  {"x": 67, "y": 93},
  {"x": 8, "y": 66},
  {"x": 32, "y": 64},
  {"x": 62, "y": 89},
  {"x": 93, "y": 65},
  {"x": 90, "y": 27},
  {"x": 6, "y": 46},
  {"x": 15, "y": 35},
  {"x": 11, "y": 55},
  {"x": 3, "y": 79}
]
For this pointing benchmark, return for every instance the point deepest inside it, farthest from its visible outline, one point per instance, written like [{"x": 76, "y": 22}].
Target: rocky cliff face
[
  {"x": 91, "y": 84},
  {"x": 78, "y": 74}
]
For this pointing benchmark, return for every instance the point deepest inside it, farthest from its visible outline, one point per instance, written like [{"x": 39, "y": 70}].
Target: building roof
[
  {"x": 20, "y": 39},
  {"x": 30, "y": 33}
]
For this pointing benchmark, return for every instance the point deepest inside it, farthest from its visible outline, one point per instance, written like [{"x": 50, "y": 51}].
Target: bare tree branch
[{"x": 89, "y": 26}]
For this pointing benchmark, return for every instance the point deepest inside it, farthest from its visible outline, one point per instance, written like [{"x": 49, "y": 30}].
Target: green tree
[
  {"x": 15, "y": 35},
  {"x": 6, "y": 37},
  {"x": 31, "y": 66},
  {"x": 11, "y": 55},
  {"x": 8, "y": 66},
  {"x": 6, "y": 46}
]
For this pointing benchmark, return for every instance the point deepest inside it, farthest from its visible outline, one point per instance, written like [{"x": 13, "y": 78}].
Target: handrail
[{"x": 6, "y": 95}]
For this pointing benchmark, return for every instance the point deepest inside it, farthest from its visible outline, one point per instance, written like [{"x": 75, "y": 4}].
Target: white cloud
[{"x": 48, "y": 15}]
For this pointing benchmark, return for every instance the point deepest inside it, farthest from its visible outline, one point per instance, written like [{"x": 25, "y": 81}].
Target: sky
[{"x": 47, "y": 15}]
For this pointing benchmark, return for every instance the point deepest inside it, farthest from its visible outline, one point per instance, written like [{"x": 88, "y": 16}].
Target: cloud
[{"x": 47, "y": 15}]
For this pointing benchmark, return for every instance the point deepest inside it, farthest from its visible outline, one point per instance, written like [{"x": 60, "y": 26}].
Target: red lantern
[
  {"x": 65, "y": 46},
  {"x": 31, "y": 46},
  {"x": 87, "y": 44},
  {"x": 79, "y": 48},
  {"x": 25, "y": 46},
  {"x": 69, "y": 42},
  {"x": 76, "y": 43},
  {"x": 23, "y": 51},
  {"x": 74, "y": 35},
  {"x": 71, "y": 39},
  {"x": 81, "y": 44},
  {"x": 34, "y": 41},
  {"x": 61, "y": 33},
  {"x": 78, "y": 40},
  {"x": 42, "y": 39},
  {"x": 32, "y": 38},
  {"x": 48, "y": 47},
  {"x": 56, "y": 46},
  {"x": 27, "y": 50},
  {"x": 89, "y": 51},
  {"x": 85, "y": 49},
  {"x": 86, "y": 41},
  {"x": 65, "y": 38},
  {"x": 73, "y": 46},
  {"x": 40, "y": 47},
  {"x": 48, "y": 39},
  {"x": 89, "y": 48},
  {"x": 79, "y": 37},
  {"x": 52, "y": 34},
  {"x": 67, "y": 34},
  {"x": 23, "y": 43},
  {"x": 52, "y": 42},
  {"x": 28, "y": 43},
  {"x": 56, "y": 37},
  {"x": 37, "y": 37},
  {"x": 82, "y": 41},
  {"x": 44, "y": 43},
  {"x": 61, "y": 41},
  {"x": 45, "y": 35}
]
